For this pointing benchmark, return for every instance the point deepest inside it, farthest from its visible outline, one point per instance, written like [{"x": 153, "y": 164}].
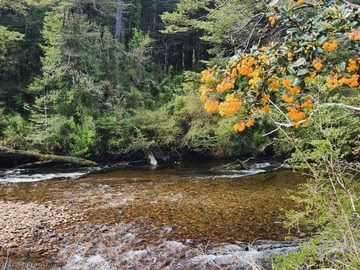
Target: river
[{"x": 131, "y": 216}]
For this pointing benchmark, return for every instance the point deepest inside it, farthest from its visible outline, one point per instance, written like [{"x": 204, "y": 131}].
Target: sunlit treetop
[{"x": 322, "y": 43}]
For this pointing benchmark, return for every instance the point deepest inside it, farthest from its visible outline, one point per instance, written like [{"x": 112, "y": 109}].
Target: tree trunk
[
  {"x": 20, "y": 158},
  {"x": 119, "y": 16}
]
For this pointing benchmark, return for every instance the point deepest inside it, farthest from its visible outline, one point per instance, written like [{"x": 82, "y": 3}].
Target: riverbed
[{"x": 126, "y": 216}]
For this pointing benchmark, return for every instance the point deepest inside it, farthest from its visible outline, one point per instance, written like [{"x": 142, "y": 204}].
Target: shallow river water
[{"x": 189, "y": 204}]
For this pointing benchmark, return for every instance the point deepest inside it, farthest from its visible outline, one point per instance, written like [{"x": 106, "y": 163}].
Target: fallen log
[{"x": 24, "y": 158}]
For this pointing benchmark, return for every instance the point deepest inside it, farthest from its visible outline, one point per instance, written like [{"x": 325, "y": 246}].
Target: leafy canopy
[{"x": 276, "y": 77}]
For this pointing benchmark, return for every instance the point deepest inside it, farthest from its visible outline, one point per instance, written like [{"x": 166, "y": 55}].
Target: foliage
[
  {"x": 274, "y": 77},
  {"x": 329, "y": 199},
  {"x": 14, "y": 131},
  {"x": 309, "y": 89},
  {"x": 226, "y": 25}
]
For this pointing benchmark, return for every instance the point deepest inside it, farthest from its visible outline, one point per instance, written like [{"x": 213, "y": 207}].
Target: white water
[{"x": 34, "y": 175}]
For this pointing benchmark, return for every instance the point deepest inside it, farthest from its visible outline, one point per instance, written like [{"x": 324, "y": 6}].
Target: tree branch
[{"x": 341, "y": 106}]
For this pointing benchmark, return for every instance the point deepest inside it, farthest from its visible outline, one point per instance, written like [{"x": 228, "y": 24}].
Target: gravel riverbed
[{"x": 49, "y": 236}]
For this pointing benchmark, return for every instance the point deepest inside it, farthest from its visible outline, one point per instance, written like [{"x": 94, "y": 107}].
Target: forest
[
  {"x": 110, "y": 80},
  {"x": 70, "y": 86}
]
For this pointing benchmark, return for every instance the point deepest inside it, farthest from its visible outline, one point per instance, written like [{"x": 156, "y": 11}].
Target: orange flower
[
  {"x": 206, "y": 75},
  {"x": 274, "y": 84},
  {"x": 239, "y": 127},
  {"x": 288, "y": 99},
  {"x": 330, "y": 46},
  {"x": 311, "y": 77},
  {"x": 265, "y": 99},
  {"x": 295, "y": 90},
  {"x": 332, "y": 81},
  {"x": 266, "y": 109},
  {"x": 231, "y": 105},
  {"x": 225, "y": 85},
  {"x": 286, "y": 82},
  {"x": 316, "y": 63},
  {"x": 352, "y": 66},
  {"x": 296, "y": 114},
  {"x": 204, "y": 93},
  {"x": 307, "y": 104},
  {"x": 352, "y": 81},
  {"x": 250, "y": 122},
  {"x": 211, "y": 106}
]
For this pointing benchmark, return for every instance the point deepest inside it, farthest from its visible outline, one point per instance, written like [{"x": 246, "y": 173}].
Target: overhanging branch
[{"x": 353, "y": 108}]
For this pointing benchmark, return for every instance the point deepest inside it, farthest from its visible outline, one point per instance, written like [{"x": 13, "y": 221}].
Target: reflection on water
[{"x": 191, "y": 200}]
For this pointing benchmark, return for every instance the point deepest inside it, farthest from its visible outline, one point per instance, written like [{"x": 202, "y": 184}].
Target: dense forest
[
  {"x": 118, "y": 79},
  {"x": 77, "y": 81}
]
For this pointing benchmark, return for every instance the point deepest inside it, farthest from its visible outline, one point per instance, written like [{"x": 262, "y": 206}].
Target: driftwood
[
  {"x": 24, "y": 159},
  {"x": 236, "y": 165}
]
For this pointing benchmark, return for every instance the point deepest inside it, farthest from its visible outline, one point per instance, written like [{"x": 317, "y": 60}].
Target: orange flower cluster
[
  {"x": 295, "y": 114},
  {"x": 287, "y": 98},
  {"x": 274, "y": 84},
  {"x": 316, "y": 63},
  {"x": 354, "y": 35},
  {"x": 334, "y": 81},
  {"x": 330, "y": 46},
  {"x": 231, "y": 105},
  {"x": 239, "y": 127},
  {"x": 225, "y": 85},
  {"x": 245, "y": 67},
  {"x": 307, "y": 104},
  {"x": 352, "y": 66},
  {"x": 211, "y": 106},
  {"x": 250, "y": 122},
  {"x": 286, "y": 82},
  {"x": 293, "y": 90},
  {"x": 266, "y": 109},
  {"x": 353, "y": 81},
  {"x": 242, "y": 125},
  {"x": 204, "y": 91},
  {"x": 265, "y": 99},
  {"x": 206, "y": 75}
]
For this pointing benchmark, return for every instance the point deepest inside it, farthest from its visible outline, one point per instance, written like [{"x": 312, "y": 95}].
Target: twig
[{"x": 217, "y": 8}]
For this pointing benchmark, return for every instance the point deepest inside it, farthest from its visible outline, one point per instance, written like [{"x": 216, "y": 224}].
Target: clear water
[{"x": 192, "y": 200}]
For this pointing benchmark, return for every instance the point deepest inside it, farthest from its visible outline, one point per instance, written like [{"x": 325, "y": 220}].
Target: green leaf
[
  {"x": 302, "y": 72},
  {"x": 298, "y": 62},
  {"x": 321, "y": 39},
  {"x": 343, "y": 66},
  {"x": 319, "y": 50},
  {"x": 282, "y": 61}
]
